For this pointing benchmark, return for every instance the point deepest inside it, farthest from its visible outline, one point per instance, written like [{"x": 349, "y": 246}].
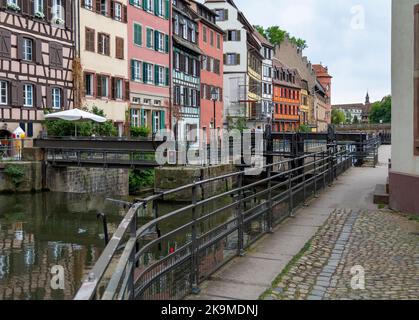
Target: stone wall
[
  {"x": 168, "y": 178},
  {"x": 31, "y": 180},
  {"x": 88, "y": 180}
]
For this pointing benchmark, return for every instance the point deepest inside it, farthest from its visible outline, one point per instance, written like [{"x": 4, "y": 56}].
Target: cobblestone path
[{"x": 383, "y": 243}]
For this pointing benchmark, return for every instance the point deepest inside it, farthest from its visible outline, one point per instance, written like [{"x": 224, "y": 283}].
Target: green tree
[
  {"x": 299, "y": 43},
  {"x": 261, "y": 30},
  {"x": 381, "y": 111},
  {"x": 304, "y": 128},
  {"x": 338, "y": 117},
  {"x": 275, "y": 35}
]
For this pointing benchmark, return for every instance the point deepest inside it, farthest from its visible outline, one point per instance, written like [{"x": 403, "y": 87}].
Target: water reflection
[{"x": 38, "y": 231}]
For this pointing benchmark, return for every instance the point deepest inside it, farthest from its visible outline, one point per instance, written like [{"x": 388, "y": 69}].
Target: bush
[
  {"x": 15, "y": 173},
  {"x": 140, "y": 179},
  {"x": 304, "y": 128},
  {"x": 137, "y": 132}
]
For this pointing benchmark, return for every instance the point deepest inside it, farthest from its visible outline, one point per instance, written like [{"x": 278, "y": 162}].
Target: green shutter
[
  {"x": 156, "y": 7},
  {"x": 138, "y": 34},
  {"x": 142, "y": 118},
  {"x": 156, "y": 75},
  {"x": 156, "y": 40},
  {"x": 167, "y": 77},
  {"x": 166, "y": 15},
  {"x": 145, "y": 5},
  {"x": 145, "y": 73},
  {"x": 166, "y": 41},
  {"x": 133, "y": 70},
  {"x": 162, "y": 120},
  {"x": 131, "y": 2}
]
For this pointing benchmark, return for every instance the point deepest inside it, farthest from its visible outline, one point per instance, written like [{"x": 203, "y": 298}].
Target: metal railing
[
  {"x": 11, "y": 149},
  {"x": 171, "y": 255}
]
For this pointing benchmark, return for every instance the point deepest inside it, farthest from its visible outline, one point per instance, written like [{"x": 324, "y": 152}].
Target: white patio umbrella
[{"x": 75, "y": 115}]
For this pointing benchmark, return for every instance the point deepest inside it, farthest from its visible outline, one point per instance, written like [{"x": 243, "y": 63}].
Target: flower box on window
[
  {"x": 13, "y": 6},
  {"x": 58, "y": 21},
  {"x": 39, "y": 15}
]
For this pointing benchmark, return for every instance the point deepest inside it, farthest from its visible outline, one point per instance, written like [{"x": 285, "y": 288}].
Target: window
[
  {"x": 156, "y": 121},
  {"x": 148, "y": 5},
  {"x": 56, "y": 98},
  {"x": 28, "y": 95},
  {"x": 162, "y": 76},
  {"x": 177, "y": 61},
  {"x": 88, "y": 84},
  {"x": 117, "y": 11},
  {"x": 90, "y": 40},
  {"x": 222, "y": 14},
  {"x": 118, "y": 89},
  {"x": 135, "y": 70},
  {"x": 104, "y": 7},
  {"x": 233, "y": 35},
  {"x": 232, "y": 59},
  {"x": 138, "y": 34},
  {"x": 38, "y": 7},
  {"x": 103, "y": 82},
  {"x": 3, "y": 93},
  {"x": 204, "y": 34},
  {"x": 150, "y": 38},
  {"x": 103, "y": 44},
  {"x": 88, "y": 4},
  {"x": 135, "y": 117},
  {"x": 58, "y": 13},
  {"x": 218, "y": 41},
  {"x": 27, "y": 49}
]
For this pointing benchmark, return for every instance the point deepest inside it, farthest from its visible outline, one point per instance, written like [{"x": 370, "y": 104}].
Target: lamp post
[{"x": 214, "y": 98}]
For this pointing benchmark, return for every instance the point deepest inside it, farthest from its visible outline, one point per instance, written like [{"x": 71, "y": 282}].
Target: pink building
[
  {"x": 212, "y": 67},
  {"x": 149, "y": 46}
]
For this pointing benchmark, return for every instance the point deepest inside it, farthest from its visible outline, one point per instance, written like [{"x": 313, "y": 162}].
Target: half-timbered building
[
  {"x": 186, "y": 72},
  {"x": 37, "y": 47}
]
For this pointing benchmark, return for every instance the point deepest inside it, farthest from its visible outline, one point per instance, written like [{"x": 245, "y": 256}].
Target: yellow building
[{"x": 103, "y": 50}]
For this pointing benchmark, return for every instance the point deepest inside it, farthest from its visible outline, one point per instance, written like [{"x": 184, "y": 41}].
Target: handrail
[{"x": 297, "y": 175}]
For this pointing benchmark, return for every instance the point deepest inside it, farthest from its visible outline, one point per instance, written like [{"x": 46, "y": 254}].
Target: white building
[
  {"x": 242, "y": 84},
  {"x": 404, "y": 173},
  {"x": 267, "y": 52}
]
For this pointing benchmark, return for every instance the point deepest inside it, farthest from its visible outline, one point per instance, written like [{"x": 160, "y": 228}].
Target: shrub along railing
[{"x": 170, "y": 256}]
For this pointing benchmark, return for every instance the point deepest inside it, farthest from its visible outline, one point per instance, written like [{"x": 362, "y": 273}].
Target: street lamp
[{"x": 214, "y": 98}]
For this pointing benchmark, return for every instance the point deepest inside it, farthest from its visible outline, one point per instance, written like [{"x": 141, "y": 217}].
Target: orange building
[{"x": 286, "y": 98}]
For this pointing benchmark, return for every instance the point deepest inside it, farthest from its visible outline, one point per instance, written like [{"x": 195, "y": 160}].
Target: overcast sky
[{"x": 356, "y": 50}]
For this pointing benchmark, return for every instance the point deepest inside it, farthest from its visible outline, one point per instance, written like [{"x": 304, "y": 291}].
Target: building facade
[
  {"x": 149, "y": 47},
  {"x": 292, "y": 56},
  {"x": 305, "y": 103},
  {"x": 286, "y": 98},
  {"x": 103, "y": 53},
  {"x": 37, "y": 48},
  {"x": 186, "y": 72},
  {"x": 321, "y": 108},
  {"x": 242, "y": 61},
  {"x": 211, "y": 42},
  {"x": 404, "y": 172},
  {"x": 355, "y": 112},
  {"x": 325, "y": 79},
  {"x": 267, "y": 78}
]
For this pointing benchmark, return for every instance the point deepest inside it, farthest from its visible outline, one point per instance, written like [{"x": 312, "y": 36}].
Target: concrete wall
[
  {"x": 403, "y": 160},
  {"x": 404, "y": 175},
  {"x": 88, "y": 180},
  {"x": 174, "y": 177}
]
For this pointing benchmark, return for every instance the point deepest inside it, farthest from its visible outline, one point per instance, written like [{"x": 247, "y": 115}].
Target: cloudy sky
[{"x": 351, "y": 37}]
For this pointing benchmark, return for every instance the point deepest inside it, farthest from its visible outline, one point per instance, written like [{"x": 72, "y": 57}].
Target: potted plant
[
  {"x": 13, "y": 6},
  {"x": 39, "y": 15},
  {"x": 58, "y": 21}
]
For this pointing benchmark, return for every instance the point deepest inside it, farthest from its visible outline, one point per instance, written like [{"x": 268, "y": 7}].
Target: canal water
[{"x": 43, "y": 230}]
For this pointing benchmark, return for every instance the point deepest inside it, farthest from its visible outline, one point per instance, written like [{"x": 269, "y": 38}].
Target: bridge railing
[{"x": 169, "y": 256}]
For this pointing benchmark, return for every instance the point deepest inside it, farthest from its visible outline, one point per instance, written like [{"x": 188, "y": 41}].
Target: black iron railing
[{"x": 171, "y": 255}]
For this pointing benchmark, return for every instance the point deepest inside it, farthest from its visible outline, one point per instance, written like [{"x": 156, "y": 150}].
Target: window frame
[
  {"x": 25, "y": 97},
  {"x": 25, "y": 47},
  {"x": 4, "y": 98},
  {"x": 54, "y": 96}
]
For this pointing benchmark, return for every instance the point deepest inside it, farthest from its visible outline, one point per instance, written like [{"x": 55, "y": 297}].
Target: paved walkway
[{"x": 345, "y": 229}]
